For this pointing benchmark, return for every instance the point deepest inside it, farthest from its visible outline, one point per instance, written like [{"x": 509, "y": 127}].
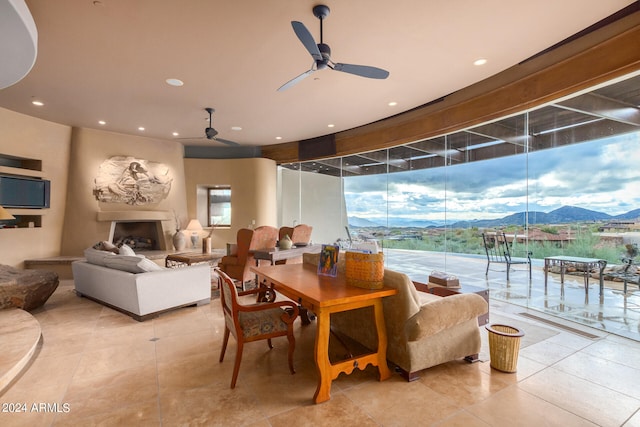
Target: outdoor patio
[{"x": 613, "y": 312}]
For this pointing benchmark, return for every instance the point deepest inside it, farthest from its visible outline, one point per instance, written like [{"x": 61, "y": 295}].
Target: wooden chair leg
[
  {"x": 292, "y": 346},
  {"x": 236, "y": 367},
  {"x": 225, "y": 340}
]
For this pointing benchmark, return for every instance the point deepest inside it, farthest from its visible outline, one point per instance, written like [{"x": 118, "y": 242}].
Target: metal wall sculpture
[{"x": 132, "y": 181}]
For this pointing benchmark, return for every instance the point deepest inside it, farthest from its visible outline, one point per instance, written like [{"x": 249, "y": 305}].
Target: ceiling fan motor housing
[
  {"x": 210, "y": 132},
  {"x": 325, "y": 51}
]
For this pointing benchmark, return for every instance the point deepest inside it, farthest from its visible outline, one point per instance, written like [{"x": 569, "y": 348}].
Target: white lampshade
[
  {"x": 194, "y": 226},
  {"x": 4, "y": 214}
]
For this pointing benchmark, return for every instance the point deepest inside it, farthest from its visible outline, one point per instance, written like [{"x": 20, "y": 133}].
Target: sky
[{"x": 601, "y": 175}]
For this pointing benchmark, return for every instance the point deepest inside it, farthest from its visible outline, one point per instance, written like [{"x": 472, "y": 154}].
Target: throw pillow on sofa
[
  {"x": 126, "y": 250},
  {"x": 106, "y": 246},
  {"x": 97, "y": 257},
  {"x": 132, "y": 264}
]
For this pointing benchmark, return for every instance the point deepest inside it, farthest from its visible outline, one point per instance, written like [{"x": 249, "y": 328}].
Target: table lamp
[
  {"x": 4, "y": 214},
  {"x": 194, "y": 227}
]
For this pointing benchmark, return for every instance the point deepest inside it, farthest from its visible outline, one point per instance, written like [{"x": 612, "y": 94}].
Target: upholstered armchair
[
  {"x": 254, "y": 322},
  {"x": 301, "y": 233},
  {"x": 239, "y": 259},
  {"x": 422, "y": 330}
]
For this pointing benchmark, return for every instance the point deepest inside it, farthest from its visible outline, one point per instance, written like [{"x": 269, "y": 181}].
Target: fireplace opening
[{"x": 139, "y": 235}]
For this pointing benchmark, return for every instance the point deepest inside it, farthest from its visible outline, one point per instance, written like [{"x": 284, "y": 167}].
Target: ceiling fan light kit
[{"x": 321, "y": 53}]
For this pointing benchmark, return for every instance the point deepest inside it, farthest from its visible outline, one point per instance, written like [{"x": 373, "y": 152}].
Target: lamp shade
[
  {"x": 194, "y": 225},
  {"x": 4, "y": 214}
]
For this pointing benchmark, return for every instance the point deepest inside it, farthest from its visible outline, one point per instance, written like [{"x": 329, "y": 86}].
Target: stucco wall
[
  {"x": 253, "y": 193},
  {"x": 89, "y": 148},
  {"x": 25, "y": 136}
]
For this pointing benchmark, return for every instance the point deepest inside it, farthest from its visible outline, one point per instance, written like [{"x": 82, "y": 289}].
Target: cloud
[{"x": 601, "y": 175}]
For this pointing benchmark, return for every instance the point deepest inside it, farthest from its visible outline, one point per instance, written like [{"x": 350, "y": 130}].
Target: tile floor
[{"x": 96, "y": 366}]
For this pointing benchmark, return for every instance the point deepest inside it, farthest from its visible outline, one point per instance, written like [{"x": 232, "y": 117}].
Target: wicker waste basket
[{"x": 504, "y": 345}]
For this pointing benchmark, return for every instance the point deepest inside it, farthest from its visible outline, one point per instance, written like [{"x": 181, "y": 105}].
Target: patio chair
[{"x": 498, "y": 251}]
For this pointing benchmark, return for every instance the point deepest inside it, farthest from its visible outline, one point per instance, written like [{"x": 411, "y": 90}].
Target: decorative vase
[
  {"x": 285, "y": 242},
  {"x": 179, "y": 241}
]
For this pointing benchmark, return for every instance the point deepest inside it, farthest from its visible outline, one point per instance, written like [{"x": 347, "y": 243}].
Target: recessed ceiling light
[
  {"x": 38, "y": 103},
  {"x": 174, "y": 82},
  {"x": 236, "y": 128},
  {"x": 331, "y": 125},
  {"x": 480, "y": 61},
  {"x": 102, "y": 122},
  {"x": 141, "y": 128},
  {"x": 278, "y": 137},
  {"x": 175, "y": 134},
  {"x": 393, "y": 104}
]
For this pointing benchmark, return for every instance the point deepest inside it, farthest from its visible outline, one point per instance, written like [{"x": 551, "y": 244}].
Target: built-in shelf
[
  {"x": 5, "y": 170},
  {"x": 20, "y": 163},
  {"x": 22, "y": 221}
]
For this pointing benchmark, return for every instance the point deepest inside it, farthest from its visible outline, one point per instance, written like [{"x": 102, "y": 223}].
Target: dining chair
[{"x": 254, "y": 322}]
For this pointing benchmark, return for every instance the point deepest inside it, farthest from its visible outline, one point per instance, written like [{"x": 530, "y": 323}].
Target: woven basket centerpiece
[{"x": 364, "y": 270}]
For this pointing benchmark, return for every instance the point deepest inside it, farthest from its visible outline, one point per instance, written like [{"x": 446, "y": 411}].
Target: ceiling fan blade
[
  {"x": 307, "y": 39},
  {"x": 362, "y": 70},
  {"x": 225, "y": 141},
  {"x": 295, "y": 80}
]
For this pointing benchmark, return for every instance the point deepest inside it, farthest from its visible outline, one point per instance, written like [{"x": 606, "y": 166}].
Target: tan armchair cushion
[{"x": 443, "y": 313}]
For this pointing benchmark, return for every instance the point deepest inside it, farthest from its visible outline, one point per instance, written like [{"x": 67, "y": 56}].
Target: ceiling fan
[
  {"x": 321, "y": 54},
  {"x": 211, "y": 133}
]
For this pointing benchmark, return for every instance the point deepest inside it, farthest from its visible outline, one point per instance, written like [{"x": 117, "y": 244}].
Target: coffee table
[
  {"x": 325, "y": 295},
  {"x": 184, "y": 259}
]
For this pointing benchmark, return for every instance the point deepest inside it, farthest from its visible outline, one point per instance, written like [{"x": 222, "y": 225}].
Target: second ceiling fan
[
  {"x": 321, "y": 54},
  {"x": 211, "y": 133}
]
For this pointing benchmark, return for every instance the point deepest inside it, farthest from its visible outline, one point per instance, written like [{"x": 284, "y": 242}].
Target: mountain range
[{"x": 563, "y": 215}]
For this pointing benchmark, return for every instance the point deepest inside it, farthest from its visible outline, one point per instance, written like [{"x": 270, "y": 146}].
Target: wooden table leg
[
  {"x": 383, "y": 368},
  {"x": 323, "y": 365}
]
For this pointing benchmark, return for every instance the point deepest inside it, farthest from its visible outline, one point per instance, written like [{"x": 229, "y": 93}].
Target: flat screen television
[{"x": 22, "y": 192}]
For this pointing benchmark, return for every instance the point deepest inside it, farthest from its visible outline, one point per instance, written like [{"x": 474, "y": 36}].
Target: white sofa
[{"x": 141, "y": 295}]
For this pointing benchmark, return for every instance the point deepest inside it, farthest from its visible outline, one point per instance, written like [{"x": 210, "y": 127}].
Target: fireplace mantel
[{"x": 134, "y": 216}]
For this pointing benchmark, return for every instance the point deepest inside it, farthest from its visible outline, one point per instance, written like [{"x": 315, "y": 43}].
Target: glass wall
[{"x": 561, "y": 179}]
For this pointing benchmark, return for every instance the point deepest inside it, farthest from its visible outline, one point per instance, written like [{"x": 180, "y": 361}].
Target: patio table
[{"x": 587, "y": 265}]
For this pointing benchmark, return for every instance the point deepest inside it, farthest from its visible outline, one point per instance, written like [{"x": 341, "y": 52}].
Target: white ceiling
[{"x": 109, "y": 59}]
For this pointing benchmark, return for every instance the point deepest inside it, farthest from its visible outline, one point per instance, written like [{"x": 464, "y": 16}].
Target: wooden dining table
[{"x": 325, "y": 295}]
